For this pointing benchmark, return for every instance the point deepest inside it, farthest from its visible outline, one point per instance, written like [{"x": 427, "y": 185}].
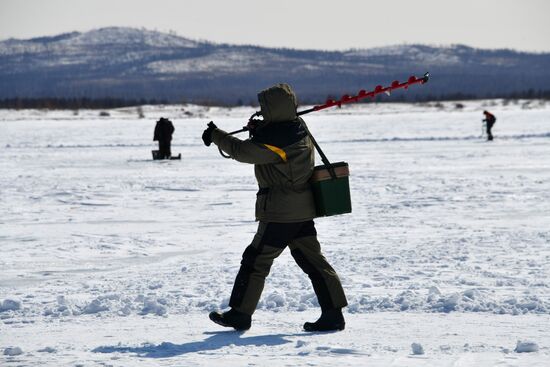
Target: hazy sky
[{"x": 336, "y": 24}]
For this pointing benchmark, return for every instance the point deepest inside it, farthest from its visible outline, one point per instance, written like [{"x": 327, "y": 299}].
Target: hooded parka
[{"x": 283, "y": 157}]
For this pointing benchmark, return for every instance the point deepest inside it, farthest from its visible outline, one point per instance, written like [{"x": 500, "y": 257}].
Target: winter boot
[
  {"x": 330, "y": 320},
  {"x": 232, "y": 318}
]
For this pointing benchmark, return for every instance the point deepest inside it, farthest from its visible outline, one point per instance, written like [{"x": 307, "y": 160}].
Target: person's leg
[
  {"x": 249, "y": 283},
  {"x": 168, "y": 148},
  {"x": 160, "y": 154},
  {"x": 306, "y": 250},
  {"x": 489, "y": 127},
  {"x": 268, "y": 243},
  {"x": 164, "y": 149}
]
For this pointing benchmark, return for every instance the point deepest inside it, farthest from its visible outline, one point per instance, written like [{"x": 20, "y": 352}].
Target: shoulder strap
[{"x": 324, "y": 158}]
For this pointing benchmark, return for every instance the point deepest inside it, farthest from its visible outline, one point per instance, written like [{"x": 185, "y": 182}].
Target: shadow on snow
[{"x": 217, "y": 340}]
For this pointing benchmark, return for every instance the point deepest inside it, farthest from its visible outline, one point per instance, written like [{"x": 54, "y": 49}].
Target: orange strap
[{"x": 281, "y": 153}]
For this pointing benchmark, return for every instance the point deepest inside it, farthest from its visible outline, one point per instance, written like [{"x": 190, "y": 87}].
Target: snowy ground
[{"x": 108, "y": 258}]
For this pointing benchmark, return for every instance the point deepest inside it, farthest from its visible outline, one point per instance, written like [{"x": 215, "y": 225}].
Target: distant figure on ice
[
  {"x": 283, "y": 157},
  {"x": 489, "y": 120},
  {"x": 163, "y": 134}
]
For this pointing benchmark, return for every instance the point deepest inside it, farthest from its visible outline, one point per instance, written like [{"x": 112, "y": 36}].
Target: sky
[{"x": 303, "y": 24}]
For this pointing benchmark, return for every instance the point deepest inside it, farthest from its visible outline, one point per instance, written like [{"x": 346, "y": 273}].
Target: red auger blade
[{"x": 364, "y": 94}]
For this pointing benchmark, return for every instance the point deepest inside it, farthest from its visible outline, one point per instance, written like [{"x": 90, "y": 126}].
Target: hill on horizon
[{"x": 129, "y": 63}]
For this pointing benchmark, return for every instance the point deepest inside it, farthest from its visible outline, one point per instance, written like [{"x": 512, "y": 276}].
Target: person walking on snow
[
  {"x": 489, "y": 120},
  {"x": 283, "y": 157}
]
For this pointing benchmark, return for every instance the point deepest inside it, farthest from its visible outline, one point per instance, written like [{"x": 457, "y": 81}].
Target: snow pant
[
  {"x": 164, "y": 149},
  {"x": 489, "y": 133},
  {"x": 268, "y": 243}
]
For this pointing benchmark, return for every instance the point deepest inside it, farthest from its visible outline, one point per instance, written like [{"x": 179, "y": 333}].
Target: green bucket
[{"x": 331, "y": 191}]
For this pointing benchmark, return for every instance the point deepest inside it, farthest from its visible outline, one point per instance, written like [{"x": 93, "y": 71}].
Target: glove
[{"x": 207, "y": 134}]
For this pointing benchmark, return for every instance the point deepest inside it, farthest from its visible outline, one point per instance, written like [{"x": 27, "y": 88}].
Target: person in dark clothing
[
  {"x": 489, "y": 120},
  {"x": 284, "y": 157},
  {"x": 163, "y": 133}
]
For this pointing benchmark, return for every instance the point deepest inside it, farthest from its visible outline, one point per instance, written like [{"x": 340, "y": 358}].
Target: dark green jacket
[{"x": 283, "y": 157}]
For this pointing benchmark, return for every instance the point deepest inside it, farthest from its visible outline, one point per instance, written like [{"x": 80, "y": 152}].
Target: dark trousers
[
  {"x": 268, "y": 243},
  {"x": 489, "y": 127},
  {"x": 164, "y": 149}
]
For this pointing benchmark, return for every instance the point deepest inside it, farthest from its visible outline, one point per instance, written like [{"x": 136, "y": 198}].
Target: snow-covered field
[{"x": 109, "y": 258}]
